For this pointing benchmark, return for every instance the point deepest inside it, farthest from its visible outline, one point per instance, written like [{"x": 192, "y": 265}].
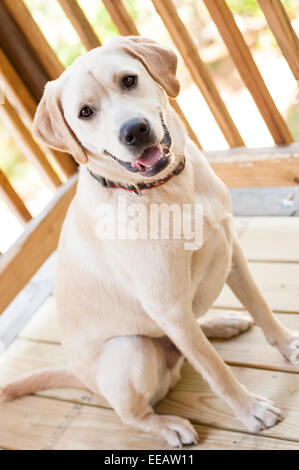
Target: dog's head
[{"x": 108, "y": 108}]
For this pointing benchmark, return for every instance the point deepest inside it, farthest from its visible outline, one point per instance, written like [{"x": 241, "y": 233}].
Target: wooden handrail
[
  {"x": 179, "y": 111},
  {"x": 18, "y": 59},
  {"x": 241, "y": 55},
  {"x": 198, "y": 70},
  {"x": 35, "y": 37},
  {"x": 25, "y": 104},
  {"x": 257, "y": 167},
  {"x": 38, "y": 241},
  {"x": 127, "y": 27},
  {"x": 20, "y": 55},
  {"x": 16, "y": 90},
  {"x": 281, "y": 27},
  {"x": 13, "y": 200},
  {"x": 123, "y": 22},
  {"x": 27, "y": 144},
  {"x": 121, "y": 17},
  {"x": 80, "y": 23}
]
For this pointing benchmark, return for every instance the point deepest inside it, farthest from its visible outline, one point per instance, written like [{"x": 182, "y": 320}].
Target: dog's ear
[
  {"x": 160, "y": 61},
  {"x": 50, "y": 126}
]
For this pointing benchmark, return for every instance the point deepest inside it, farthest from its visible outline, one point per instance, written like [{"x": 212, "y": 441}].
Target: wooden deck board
[
  {"x": 279, "y": 283},
  {"x": 190, "y": 398},
  {"x": 43, "y": 326},
  {"x": 269, "y": 238},
  {"x": 78, "y": 419},
  {"x": 249, "y": 349},
  {"x": 41, "y": 423}
]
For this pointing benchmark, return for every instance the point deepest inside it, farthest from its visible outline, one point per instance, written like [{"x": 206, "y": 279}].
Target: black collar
[{"x": 138, "y": 187}]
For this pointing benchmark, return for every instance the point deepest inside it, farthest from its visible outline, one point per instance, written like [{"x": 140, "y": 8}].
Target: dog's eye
[
  {"x": 129, "y": 81},
  {"x": 86, "y": 112}
]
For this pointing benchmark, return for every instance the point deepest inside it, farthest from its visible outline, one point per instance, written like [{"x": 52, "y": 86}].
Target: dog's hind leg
[{"x": 132, "y": 374}]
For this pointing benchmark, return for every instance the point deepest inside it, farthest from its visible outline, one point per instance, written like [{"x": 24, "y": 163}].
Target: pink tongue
[{"x": 149, "y": 157}]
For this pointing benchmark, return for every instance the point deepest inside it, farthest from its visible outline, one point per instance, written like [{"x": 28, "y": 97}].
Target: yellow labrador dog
[{"x": 131, "y": 309}]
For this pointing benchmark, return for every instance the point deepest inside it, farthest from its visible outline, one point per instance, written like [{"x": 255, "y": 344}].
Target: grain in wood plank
[
  {"x": 258, "y": 174},
  {"x": 24, "y": 79},
  {"x": 191, "y": 397},
  {"x": 48, "y": 424},
  {"x": 20, "y": 54},
  {"x": 241, "y": 55},
  {"x": 254, "y": 154},
  {"x": 281, "y": 387},
  {"x": 13, "y": 200},
  {"x": 121, "y": 17},
  {"x": 16, "y": 91},
  {"x": 269, "y": 238},
  {"x": 249, "y": 349},
  {"x": 28, "y": 145},
  {"x": 43, "y": 326},
  {"x": 198, "y": 70},
  {"x": 23, "y": 357},
  {"x": 281, "y": 27},
  {"x": 278, "y": 283},
  {"x": 180, "y": 113},
  {"x": 80, "y": 23},
  {"x": 25, "y": 104},
  {"x": 127, "y": 27},
  {"x": 35, "y": 37},
  {"x": 242, "y": 167}
]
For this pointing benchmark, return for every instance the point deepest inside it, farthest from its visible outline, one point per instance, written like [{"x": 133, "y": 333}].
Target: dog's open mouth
[
  {"x": 152, "y": 160},
  {"x": 148, "y": 158}
]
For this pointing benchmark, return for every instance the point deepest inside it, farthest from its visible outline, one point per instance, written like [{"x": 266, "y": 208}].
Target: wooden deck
[{"x": 74, "y": 419}]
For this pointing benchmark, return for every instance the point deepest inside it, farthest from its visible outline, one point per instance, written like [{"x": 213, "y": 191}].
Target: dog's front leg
[
  {"x": 244, "y": 287},
  {"x": 172, "y": 310}
]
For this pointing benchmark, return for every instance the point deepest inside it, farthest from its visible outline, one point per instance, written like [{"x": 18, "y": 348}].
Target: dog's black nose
[{"x": 134, "y": 131}]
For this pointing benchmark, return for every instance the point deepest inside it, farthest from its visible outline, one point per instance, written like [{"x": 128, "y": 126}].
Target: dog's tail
[{"x": 51, "y": 377}]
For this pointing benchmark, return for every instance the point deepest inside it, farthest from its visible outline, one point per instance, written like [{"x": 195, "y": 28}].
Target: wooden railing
[{"x": 27, "y": 62}]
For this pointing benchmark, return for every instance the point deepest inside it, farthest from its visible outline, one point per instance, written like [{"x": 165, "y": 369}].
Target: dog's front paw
[
  {"x": 288, "y": 345},
  {"x": 176, "y": 431},
  {"x": 260, "y": 414}
]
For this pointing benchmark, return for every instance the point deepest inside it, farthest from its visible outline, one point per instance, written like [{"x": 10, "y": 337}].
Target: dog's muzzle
[{"x": 153, "y": 158}]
